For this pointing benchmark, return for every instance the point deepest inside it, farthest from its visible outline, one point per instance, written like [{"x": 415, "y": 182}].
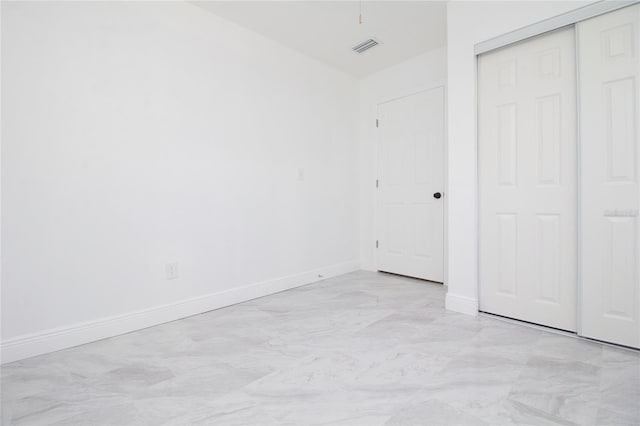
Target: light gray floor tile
[
  {"x": 360, "y": 349},
  {"x": 563, "y": 388},
  {"x": 432, "y": 412}
]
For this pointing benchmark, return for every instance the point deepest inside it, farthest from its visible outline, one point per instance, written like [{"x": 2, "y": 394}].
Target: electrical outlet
[{"x": 172, "y": 270}]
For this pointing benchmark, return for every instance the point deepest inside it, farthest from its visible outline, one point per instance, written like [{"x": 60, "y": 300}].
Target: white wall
[
  {"x": 469, "y": 23},
  {"x": 140, "y": 133},
  {"x": 403, "y": 79}
]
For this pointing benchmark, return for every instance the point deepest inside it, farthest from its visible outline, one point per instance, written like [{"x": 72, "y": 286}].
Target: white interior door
[
  {"x": 527, "y": 174},
  {"x": 410, "y": 211},
  {"x": 610, "y": 195}
]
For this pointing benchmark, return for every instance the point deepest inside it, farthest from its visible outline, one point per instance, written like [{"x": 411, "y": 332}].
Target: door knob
[{"x": 437, "y": 195}]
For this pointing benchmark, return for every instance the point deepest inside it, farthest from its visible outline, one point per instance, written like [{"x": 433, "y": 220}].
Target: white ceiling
[{"x": 327, "y": 30}]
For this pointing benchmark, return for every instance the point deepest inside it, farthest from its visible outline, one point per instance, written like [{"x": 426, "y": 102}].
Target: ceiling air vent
[{"x": 365, "y": 45}]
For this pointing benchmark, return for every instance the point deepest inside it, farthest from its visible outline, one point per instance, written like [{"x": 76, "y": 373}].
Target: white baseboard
[
  {"x": 65, "y": 337},
  {"x": 462, "y": 304}
]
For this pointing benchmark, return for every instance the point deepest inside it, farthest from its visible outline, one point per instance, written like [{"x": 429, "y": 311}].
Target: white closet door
[
  {"x": 610, "y": 116},
  {"x": 527, "y": 173},
  {"x": 410, "y": 213}
]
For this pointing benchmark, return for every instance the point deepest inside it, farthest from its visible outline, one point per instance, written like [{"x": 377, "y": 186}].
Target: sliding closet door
[
  {"x": 610, "y": 116},
  {"x": 527, "y": 172}
]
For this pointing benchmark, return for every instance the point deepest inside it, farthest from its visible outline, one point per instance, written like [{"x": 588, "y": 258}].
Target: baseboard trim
[
  {"x": 34, "y": 344},
  {"x": 462, "y": 304}
]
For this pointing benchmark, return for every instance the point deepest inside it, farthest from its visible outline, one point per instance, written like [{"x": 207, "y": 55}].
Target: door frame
[
  {"x": 563, "y": 20},
  {"x": 436, "y": 84},
  {"x": 569, "y": 19}
]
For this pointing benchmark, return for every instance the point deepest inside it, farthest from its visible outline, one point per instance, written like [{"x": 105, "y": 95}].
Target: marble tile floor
[{"x": 360, "y": 349}]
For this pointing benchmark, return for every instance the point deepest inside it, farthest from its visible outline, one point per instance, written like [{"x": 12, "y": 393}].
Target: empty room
[{"x": 355, "y": 213}]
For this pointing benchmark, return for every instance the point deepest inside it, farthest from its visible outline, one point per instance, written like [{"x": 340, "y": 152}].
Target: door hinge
[
  {"x": 377, "y": 123},
  {"x": 377, "y": 244},
  {"x": 377, "y": 183}
]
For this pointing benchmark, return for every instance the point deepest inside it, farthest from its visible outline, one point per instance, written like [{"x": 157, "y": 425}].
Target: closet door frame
[
  {"x": 551, "y": 24},
  {"x": 571, "y": 18}
]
